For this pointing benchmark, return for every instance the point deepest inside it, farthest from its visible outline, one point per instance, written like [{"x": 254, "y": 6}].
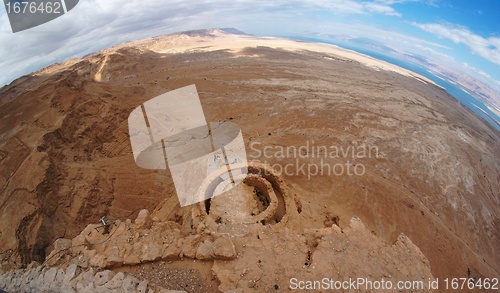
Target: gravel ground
[{"x": 187, "y": 275}]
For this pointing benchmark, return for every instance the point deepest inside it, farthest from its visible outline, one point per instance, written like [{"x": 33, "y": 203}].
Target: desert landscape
[{"x": 357, "y": 169}]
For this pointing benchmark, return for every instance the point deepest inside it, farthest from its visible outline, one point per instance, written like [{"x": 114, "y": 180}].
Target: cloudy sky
[{"x": 463, "y": 35}]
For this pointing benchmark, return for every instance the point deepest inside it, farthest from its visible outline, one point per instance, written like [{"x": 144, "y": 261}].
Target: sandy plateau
[{"x": 424, "y": 204}]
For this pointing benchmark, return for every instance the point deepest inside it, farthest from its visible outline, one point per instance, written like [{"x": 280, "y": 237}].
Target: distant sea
[{"x": 463, "y": 97}]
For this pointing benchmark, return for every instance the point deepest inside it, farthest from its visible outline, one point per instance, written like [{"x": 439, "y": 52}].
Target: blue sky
[
  {"x": 463, "y": 20},
  {"x": 461, "y": 35}
]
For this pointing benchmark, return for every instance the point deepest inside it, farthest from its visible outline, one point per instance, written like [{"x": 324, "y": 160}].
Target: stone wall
[
  {"x": 41, "y": 279},
  {"x": 82, "y": 264}
]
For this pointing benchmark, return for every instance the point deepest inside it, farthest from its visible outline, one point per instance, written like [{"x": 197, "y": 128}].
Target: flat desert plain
[{"x": 386, "y": 175}]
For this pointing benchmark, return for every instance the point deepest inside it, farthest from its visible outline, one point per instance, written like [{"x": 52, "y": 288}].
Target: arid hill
[{"x": 429, "y": 170}]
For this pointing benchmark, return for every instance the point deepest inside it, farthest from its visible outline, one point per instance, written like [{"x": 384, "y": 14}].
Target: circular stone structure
[{"x": 260, "y": 198}]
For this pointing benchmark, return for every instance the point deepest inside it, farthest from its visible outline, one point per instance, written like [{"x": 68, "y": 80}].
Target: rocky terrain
[{"x": 431, "y": 173}]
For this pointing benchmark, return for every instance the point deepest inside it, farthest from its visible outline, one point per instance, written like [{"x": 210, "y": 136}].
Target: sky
[{"x": 462, "y": 35}]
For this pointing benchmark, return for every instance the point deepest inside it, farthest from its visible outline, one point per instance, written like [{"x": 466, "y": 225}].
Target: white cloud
[
  {"x": 343, "y": 7},
  {"x": 477, "y": 71},
  {"x": 350, "y": 7},
  {"x": 429, "y": 52},
  {"x": 426, "y": 2},
  {"x": 488, "y": 48},
  {"x": 380, "y": 8},
  {"x": 435, "y": 53},
  {"x": 96, "y": 24},
  {"x": 394, "y": 39}
]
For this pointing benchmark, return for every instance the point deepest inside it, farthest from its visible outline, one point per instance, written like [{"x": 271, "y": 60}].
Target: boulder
[
  {"x": 116, "y": 282},
  {"x": 131, "y": 259},
  {"x": 98, "y": 260},
  {"x": 62, "y": 244},
  {"x": 190, "y": 245},
  {"x": 205, "y": 250},
  {"x": 50, "y": 276},
  {"x": 170, "y": 252},
  {"x": 151, "y": 252},
  {"x": 223, "y": 248},
  {"x": 78, "y": 244},
  {"x": 71, "y": 272},
  {"x": 142, "y": 287},
  {"x": 113, "y": 256},
  {"x": 143, "y": 219},
  {"x": 87, "y": 277},
  {"x": 129, "y": 284},
  {"x": 103, "y": 277}
]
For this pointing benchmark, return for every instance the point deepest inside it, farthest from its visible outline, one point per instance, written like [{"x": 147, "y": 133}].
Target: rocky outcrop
[
  {"x": 267, "y": 254},
  {"x": 89, "y": 261},
  {"x": 270, "y": 258},
  {"x": 144, "y": 240}
]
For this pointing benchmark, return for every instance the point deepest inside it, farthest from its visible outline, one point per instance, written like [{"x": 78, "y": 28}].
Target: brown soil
[
  {"x": 188, "y": 275},
  {"x": 66, "y": 158}
]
